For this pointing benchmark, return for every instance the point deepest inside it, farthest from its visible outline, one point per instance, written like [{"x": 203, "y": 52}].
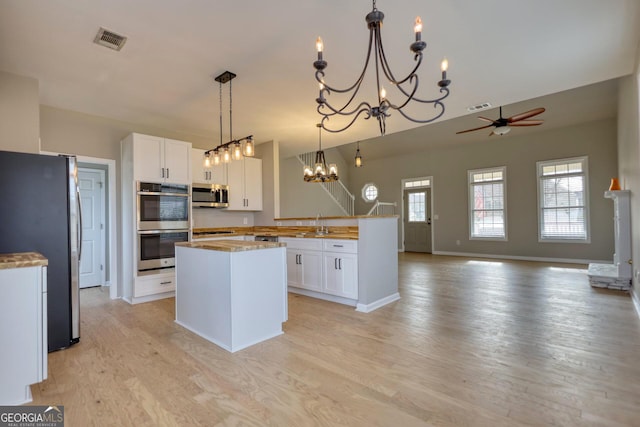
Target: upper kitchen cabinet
[
  {"x": 201, "y": 175},
  {"x": 158, "y": 159},
  {"x": 245, "y": 184}
]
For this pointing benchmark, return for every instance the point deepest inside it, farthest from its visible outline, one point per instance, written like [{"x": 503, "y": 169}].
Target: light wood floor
[{"x": 471, "y": 342}]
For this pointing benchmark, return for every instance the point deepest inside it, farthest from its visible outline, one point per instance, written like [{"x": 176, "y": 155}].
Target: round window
[{"x": 369, "y": 192}]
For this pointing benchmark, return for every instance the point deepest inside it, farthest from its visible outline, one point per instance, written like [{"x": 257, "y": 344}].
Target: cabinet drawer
[
  {"x": 154, "y": 285},
  {"x": 302, "y": 243},
  {"x": 345, "y": 246}
]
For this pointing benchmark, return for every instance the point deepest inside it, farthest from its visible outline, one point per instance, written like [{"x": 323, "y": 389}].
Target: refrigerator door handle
[{"x": 79, "y": 226}]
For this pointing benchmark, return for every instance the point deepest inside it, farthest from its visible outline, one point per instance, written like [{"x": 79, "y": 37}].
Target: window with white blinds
[
  {"x": 487, "y": 207},
  {"x": 563, "y": 200}
]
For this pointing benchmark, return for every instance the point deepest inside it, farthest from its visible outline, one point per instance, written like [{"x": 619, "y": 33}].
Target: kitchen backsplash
[{"x": 208, "y": 218}]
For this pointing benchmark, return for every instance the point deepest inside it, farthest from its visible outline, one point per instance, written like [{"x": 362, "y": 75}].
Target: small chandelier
[
  {"x": 320, "y": 173},
  {"x": 407, "y": 86},
  {"x": 232, "y": 150},
  {"x": 358, "y": 158}
]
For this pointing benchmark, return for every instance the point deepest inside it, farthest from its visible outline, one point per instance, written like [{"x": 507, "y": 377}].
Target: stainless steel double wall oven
[{"x": 162, "y": 221}]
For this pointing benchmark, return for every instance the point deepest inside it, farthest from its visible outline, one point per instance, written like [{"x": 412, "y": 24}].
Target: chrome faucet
[{"x": 320, "y": 227}]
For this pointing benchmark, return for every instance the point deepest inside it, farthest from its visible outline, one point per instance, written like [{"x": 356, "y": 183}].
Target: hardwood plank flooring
[{"x": 471, "y": 343}]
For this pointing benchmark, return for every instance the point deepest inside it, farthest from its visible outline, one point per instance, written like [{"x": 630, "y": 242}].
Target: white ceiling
[{"x": 500, "y": 51}]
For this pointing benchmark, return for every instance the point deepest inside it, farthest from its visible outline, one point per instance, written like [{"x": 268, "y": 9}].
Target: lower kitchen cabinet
[
  {"x": 23, "y": 329},
  {"x": 304, "y": 269},
  {"x": 340, "y": 274},
  {"x": 304, "y": 263},
  {"x": 155, "y": 284},
  {"x": 325, "y": 266}
]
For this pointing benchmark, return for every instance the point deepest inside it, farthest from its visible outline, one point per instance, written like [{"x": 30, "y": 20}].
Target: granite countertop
[
  {"x": 22, "y": 259},
  {"x": 231, "y": 245},
  {"x": 309, "y": 232}
]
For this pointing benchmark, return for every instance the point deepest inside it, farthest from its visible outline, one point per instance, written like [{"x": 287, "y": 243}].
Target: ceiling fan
[{"x": 503, "y": 125}]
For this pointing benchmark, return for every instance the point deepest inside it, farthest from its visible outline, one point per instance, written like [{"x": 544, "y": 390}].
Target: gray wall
[
  {"x": 269, "y": 152},
  {"x": 629, "y": 160},
  {"x": 19, "y": 113},
  {"x": 305, "y": 199},
  {"x": 519, "y": 154}
]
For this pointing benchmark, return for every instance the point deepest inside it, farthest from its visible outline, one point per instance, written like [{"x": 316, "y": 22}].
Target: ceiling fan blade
[
  {"x": 485, "y": 119},
  {"x": 525, "y": 115},
  {"x": 471, "y": 130},
  {"x": 527, "y": 123}
]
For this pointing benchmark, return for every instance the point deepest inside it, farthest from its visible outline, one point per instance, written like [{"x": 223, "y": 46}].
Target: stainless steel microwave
[{"x": 209, "y": 196}]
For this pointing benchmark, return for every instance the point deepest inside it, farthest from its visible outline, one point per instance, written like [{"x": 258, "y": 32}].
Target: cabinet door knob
[
  {"x": 163, "y": 172},
  {"x": 167, "y": 172}
]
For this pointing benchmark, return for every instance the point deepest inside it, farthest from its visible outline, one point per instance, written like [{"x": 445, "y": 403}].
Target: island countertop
[
  {"x": 22, "y": 259},
  {"x": 231, "y": 245}
]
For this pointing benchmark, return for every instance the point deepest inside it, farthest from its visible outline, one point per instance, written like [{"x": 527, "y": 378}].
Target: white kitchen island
[{"x": 232, "y": 293}]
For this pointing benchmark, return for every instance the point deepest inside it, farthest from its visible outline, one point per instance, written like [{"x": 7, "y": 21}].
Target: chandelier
[
  {"x": 234, "y": 149},
  {"x": 320, "y": 172},
  {"x": 406, "y": 86}
]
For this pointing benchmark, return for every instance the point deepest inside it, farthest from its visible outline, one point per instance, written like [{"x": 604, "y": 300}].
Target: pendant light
[
  {"x": 320, "y": 172},
  {"x": 358, "y": 158},
  {"x": 232, "y": 150}
]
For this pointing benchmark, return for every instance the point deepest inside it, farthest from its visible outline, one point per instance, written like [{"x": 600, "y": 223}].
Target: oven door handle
[
  {"x": 159, "y": 193},
  {"x": 180, "y": 230}
]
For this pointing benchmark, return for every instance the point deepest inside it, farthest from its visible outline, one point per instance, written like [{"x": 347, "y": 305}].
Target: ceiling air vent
[
  {"x": 478, "y": 107},
  {"x": 109, "y": 39}
]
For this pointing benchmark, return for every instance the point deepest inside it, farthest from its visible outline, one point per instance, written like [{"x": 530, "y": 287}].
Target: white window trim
[
  {"x": 471, "y": 202},
  {"x": 364, "y": 189},
  {"x": 587, "y": 217}
]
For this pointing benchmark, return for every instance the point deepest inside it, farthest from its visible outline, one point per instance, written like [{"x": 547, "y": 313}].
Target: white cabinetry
[
  {"x": 245, "y": 184},
  {"x": 304, "y": 263},
  {"x": 340, "y": 263},
  {"x": 149, "y": 159},
  {"x": 327, "y": 266},
  {"x": 158, "y": 159},
  {"x": 23, "y": 332},
  {"x": 155, "y": 284},
  {"x": 200, "y": 174}
]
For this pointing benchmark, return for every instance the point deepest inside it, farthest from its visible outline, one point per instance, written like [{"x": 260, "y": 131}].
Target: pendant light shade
[{"x": 358, "y": 159}]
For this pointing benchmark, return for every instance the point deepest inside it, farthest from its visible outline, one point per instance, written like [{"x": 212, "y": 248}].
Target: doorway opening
[
  {"x": 417, "y": 206},
  {"x": 91, "y": 184}
]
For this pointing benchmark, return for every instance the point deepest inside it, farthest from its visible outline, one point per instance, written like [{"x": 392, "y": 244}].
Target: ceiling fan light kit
[
  {"x": 381, "y": 108},
  {"x": 503, "y": 125}
]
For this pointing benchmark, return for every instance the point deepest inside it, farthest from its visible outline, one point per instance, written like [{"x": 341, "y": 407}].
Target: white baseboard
[
  {"x": 148, "y": 298},
  {"x": 368, "y": 308},
  {"x": 320, "y": 295},
  {"x": 521, "y": 258}
]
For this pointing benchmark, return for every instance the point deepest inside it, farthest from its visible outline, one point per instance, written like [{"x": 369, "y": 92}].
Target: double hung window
[
  {"x": 563, "y": 200},
  {"x": 487, "y": 207}
]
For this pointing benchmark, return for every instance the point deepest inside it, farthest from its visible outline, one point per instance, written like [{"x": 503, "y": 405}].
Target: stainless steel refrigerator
[{"x": 40, "y": 212}]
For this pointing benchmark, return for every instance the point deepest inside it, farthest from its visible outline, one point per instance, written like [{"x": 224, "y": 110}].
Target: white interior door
[{"x": 92, "y": 259}]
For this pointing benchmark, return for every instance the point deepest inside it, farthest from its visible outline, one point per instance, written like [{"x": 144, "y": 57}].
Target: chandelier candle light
[
  {"x": 224, "y": 153},
  {"x": 320, "y": 173},
  {"x": 407, "y": 86}
]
